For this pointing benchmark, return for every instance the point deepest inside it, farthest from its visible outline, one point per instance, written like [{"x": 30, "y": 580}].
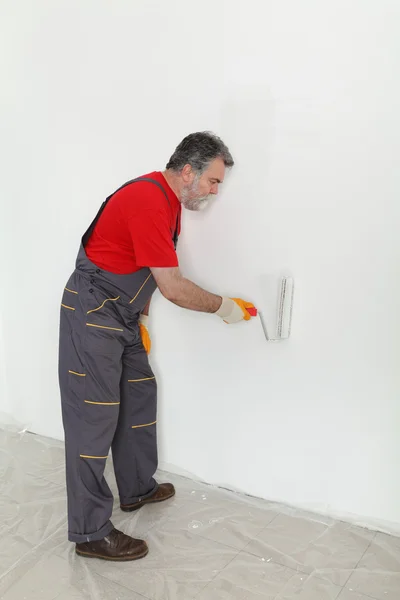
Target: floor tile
[
  {"x": 233, "y": 524},
  {"x": 57, "y": 543},
  {"x": 351, "y": 595},
  {"x": 97, "y": 587},
  {"x": 249, "y": 577},
  {"x": 309, "y": 587},
  {"x": 35, "y": 455},
  {"x": 27, "y": 489},
  {"x": 37, "y": 577},
  {"x": 378, "y": 573},
  {"x": 56, "y": 475},
  {"x": 31, "y": 509},
  {"x": 328, "y": 551},
  {"x": 12, "y": 549},
  {"x": 34, "y": 520}
]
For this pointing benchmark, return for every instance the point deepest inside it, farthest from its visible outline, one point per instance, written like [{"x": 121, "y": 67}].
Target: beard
[
  {"x": 196, "y": 204},
  {"x": 190, "y": 199}
]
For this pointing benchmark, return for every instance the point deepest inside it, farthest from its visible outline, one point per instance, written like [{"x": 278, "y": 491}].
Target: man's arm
[{"x": 183, "y": 292}]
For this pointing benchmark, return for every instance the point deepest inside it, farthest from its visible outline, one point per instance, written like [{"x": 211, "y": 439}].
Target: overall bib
[{"x": 108, "y": 390}]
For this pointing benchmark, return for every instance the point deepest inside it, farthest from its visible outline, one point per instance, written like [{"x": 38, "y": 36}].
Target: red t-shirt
[{"x": 136, "y": 228}]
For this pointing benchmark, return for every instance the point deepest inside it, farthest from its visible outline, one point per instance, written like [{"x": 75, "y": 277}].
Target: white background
[{"x": 306, "y": 94}]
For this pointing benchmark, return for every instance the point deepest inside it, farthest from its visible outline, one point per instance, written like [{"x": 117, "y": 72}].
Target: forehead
[{"x": 216, "y": 170}]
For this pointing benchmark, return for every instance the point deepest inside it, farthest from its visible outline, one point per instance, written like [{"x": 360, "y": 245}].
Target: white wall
[
  {"x": 306, "y": 94},
  {"x": 5, "y": 399},
  {"x": 4, "y": 396}
]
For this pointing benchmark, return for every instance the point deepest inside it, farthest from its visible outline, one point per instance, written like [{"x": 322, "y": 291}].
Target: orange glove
[
  {"x": 233, "y": 310},
  {"x": 144, "y": 332}
]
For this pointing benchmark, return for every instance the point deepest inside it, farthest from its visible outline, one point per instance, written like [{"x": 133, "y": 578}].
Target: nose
[{"x": 214, "y": 189}]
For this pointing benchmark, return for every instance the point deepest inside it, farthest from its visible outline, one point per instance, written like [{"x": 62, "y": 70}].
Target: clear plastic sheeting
[{"x": 205, "y": 543}]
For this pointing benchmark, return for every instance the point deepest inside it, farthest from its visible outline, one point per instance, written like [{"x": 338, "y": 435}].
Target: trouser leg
[
  {"x": 89, "y": 384},
  {"x": 134, "y": 447}
]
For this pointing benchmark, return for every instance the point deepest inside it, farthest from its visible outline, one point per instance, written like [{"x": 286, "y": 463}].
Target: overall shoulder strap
[{"x": 157, "y": 183}]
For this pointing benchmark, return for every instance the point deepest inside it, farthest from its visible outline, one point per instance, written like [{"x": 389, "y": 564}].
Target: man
[{"x": 108, "y": 390}]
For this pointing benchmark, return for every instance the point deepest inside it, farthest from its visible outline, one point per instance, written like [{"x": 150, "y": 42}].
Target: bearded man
[{"x": 108, "y": 390}]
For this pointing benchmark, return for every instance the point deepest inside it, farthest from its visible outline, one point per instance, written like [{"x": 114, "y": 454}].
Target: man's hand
[
  {"x": 144, "y": 332},
  {"x": 233, "y": 310}
]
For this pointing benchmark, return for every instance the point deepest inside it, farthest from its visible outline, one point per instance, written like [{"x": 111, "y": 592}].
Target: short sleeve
[{"x": 151, "y": 236}]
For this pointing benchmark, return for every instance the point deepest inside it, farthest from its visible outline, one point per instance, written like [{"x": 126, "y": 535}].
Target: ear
[{"x": 187, "y": 174}]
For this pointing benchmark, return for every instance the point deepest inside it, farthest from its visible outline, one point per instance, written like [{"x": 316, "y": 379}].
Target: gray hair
[{"x": 198, "y": 150}]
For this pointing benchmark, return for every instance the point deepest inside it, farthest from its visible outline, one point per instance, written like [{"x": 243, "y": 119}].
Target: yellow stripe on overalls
[
  {"x": 103, "y": 326},
  {"x": 140, "y": 289},
  {"x": 78, "y": 374},
  {"x": 101, "y": 305},
  {"x": 145, "y": 425},
  {"x": 85, "y": 456},
  {"x": 102, "y": 403}
]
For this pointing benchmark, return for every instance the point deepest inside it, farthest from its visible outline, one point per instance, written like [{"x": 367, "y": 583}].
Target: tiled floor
[{"x": 205, "y": 544}]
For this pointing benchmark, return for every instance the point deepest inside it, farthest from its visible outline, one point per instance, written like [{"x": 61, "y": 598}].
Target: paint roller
[{"x": 285, "y": 308}]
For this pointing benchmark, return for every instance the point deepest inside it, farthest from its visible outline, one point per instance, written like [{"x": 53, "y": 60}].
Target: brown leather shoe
[
  {"x": 164, "y": 492},
  {"x": 115, "y": 546}
]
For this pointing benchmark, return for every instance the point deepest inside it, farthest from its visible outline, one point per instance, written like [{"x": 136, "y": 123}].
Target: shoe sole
[
  {"x": 138, "y": 506},
  {"x": 114, "y": 559}
]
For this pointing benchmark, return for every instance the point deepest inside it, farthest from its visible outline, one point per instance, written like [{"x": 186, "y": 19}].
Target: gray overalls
[{"x": 108, "y": 390}]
